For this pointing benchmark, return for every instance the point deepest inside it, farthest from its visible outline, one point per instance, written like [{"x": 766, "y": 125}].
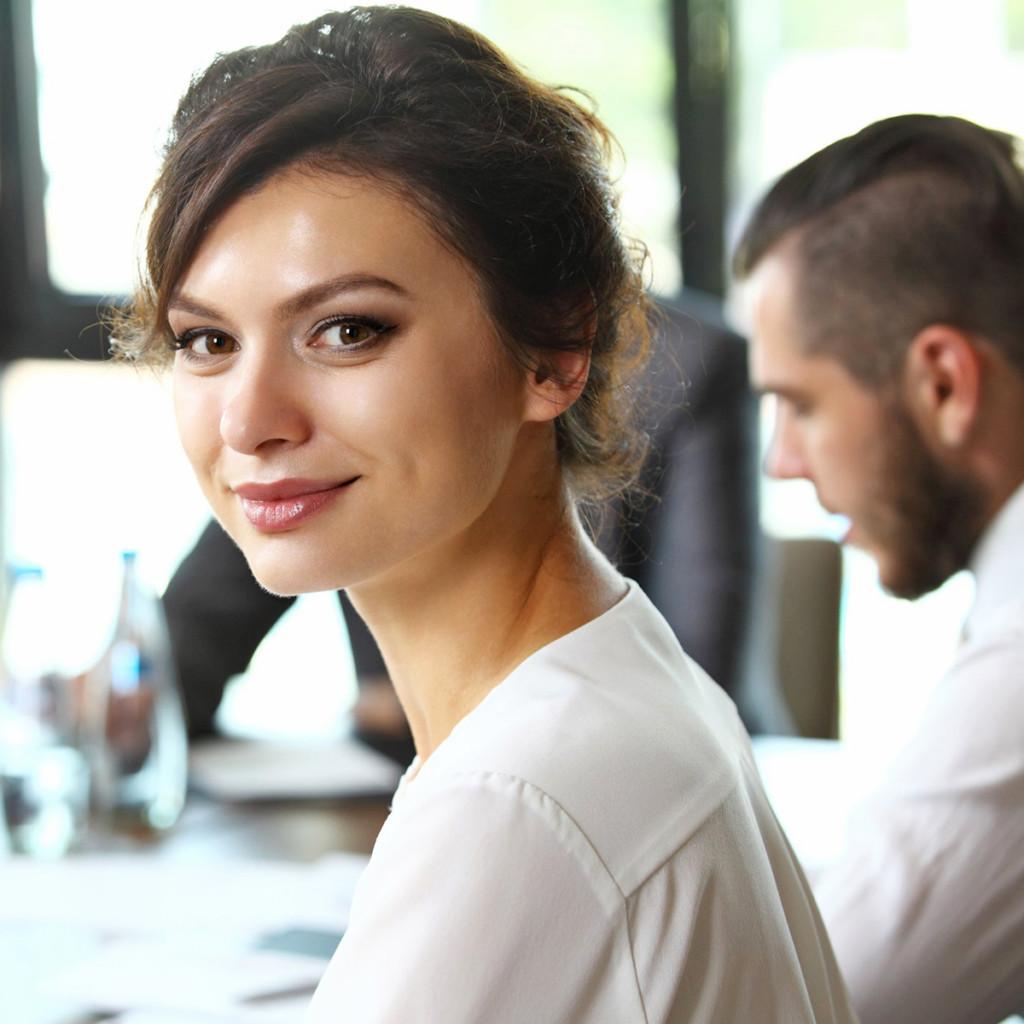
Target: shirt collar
[{"x": 998, "y": 562}]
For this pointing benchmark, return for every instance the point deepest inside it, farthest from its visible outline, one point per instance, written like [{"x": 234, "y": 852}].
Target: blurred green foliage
[
  {"x": 844, "y": 25},
  {"x": 618, "y": 53},
  {"x": 1015, "y": 24}
]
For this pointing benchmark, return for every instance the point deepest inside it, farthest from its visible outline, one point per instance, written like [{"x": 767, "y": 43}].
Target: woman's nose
[{"x": 265, "y": 408}]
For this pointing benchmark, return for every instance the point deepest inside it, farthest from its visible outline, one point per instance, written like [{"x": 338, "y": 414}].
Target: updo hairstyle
[{"x": 511, "y": 174}]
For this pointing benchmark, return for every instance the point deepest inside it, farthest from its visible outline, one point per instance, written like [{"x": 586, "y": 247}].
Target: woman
[{"x": 387, "y": 266}]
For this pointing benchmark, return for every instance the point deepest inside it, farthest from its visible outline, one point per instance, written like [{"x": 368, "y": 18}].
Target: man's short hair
[{"x": 914, "y": 220}]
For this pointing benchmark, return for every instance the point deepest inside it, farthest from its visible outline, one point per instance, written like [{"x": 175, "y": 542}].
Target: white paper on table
[
  {"x": 142, "y": 926},
  {"x": 175, "y": 975},
  {"x": 126, "y": 894},
  {"x": 281, "y": 1011},
  {"x": 263, "y": 770}
]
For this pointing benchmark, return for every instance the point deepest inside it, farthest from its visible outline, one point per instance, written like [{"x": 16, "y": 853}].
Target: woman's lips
[{"x": 280, "y": 506}]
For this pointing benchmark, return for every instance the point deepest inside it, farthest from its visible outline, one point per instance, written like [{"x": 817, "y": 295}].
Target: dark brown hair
[
  {"x": 912, "y": 221},
  {"x": 513, "y": 175}
]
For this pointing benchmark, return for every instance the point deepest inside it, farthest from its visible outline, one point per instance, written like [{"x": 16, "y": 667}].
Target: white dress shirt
[
  {"x": 926, "y": 905},
  {"x": 590, "y": 845}
]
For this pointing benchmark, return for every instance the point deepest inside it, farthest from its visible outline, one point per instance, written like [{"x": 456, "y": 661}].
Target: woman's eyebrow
[
  {"x": 317, "y": 293},
  {"x": 182, "y": 303},
  {"x": 300, "y": 301}
]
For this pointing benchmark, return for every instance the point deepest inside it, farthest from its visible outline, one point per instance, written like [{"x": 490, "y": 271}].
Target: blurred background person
[{"x": 888, "y": 323}]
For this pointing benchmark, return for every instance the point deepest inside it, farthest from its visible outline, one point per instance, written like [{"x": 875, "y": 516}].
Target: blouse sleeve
[{"x": 482, "y": 902}]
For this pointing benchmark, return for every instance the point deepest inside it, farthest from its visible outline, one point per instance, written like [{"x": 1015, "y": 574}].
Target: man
[{"x": 887, "y": 285}]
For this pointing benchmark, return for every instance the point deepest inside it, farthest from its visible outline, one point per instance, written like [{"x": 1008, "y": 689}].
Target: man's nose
[
  {"x": 784, "y": 459},
  {"x": 266, "y": 407}
]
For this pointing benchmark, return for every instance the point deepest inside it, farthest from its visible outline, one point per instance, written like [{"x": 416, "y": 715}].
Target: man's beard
[{"x": 924, "y": 517}]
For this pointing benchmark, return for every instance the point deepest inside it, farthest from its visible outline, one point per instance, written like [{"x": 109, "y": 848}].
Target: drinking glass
[{"x": 44, "y": 777}]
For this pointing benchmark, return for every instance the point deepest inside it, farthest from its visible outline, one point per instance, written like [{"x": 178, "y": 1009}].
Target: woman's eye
[
  {"x": 206, "y": 343},
  {"x": 350, "y": 333}
]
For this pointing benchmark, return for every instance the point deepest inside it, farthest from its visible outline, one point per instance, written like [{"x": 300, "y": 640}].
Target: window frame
[
  {"x": 37, "y": 320},
  {"x": 702, "y": 48}
]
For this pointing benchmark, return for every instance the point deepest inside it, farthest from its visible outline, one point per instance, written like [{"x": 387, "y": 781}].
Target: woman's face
[{"x": 339, "y": 388}]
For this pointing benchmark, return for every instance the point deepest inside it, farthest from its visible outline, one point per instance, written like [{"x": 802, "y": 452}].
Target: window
[{"x": 101, "y": 136}]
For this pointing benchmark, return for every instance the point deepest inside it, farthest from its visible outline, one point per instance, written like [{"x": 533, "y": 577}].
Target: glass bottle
[
  {"x": 44, "y": 779},
  {"x": 139, "y": 748}
]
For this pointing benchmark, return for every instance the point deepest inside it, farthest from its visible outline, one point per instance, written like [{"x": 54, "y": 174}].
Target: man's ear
[
  {"x": 555, "y": 383},
  {"x": 942, "y": 380}
]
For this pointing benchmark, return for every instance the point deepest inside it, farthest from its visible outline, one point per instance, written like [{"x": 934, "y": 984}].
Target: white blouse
[{"x": 591, "y": 844}]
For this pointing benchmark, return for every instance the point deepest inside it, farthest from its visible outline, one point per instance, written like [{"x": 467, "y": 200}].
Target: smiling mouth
[{"x": 276, "y": 508}]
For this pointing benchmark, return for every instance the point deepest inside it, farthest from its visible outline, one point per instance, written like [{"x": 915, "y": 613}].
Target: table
[
  {"x": 302, "y": 830},
  {"x": 272, "y": 835}
]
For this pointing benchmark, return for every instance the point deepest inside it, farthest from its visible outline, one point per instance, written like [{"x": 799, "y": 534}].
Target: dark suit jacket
[{"x": 690, "y": 543}]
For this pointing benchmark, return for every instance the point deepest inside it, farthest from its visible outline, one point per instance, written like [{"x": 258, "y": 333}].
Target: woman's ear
[
  {"x": 555, "y": 383},
  {"x": 943, "y": 378}
]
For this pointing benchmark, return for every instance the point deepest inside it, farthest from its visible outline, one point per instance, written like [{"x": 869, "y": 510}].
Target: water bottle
[
  {"x": 139, "y": 748},
  {"x": 44, "y": 778}
]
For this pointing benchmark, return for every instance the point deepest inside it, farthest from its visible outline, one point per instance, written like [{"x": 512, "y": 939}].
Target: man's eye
[{"x": 793, "y": 407}]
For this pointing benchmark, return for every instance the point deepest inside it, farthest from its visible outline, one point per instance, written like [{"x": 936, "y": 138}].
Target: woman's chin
[{"x": 287, "y": 578}]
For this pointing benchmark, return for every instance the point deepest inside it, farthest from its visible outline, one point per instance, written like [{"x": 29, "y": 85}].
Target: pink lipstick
[{"x": 284, "y": 504}]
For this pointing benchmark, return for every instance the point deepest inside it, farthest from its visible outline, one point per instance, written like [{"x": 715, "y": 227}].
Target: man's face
[{"x": 858, "y": 447}]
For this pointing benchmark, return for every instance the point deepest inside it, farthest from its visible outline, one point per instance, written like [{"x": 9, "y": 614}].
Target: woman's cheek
[{"x": 196, "y": 412}]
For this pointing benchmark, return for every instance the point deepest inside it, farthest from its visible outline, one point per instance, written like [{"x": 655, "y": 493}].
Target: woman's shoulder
[{"x": 613, "y": 726}]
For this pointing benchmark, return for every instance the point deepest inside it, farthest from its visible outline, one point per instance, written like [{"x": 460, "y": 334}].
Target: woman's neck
[{"x": 453, "y": 626}]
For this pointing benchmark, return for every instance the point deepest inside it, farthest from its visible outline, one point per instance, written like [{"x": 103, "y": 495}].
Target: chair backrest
[
  {"x": 809, "y": 585},
  {"x": 793, "y": 671}
]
